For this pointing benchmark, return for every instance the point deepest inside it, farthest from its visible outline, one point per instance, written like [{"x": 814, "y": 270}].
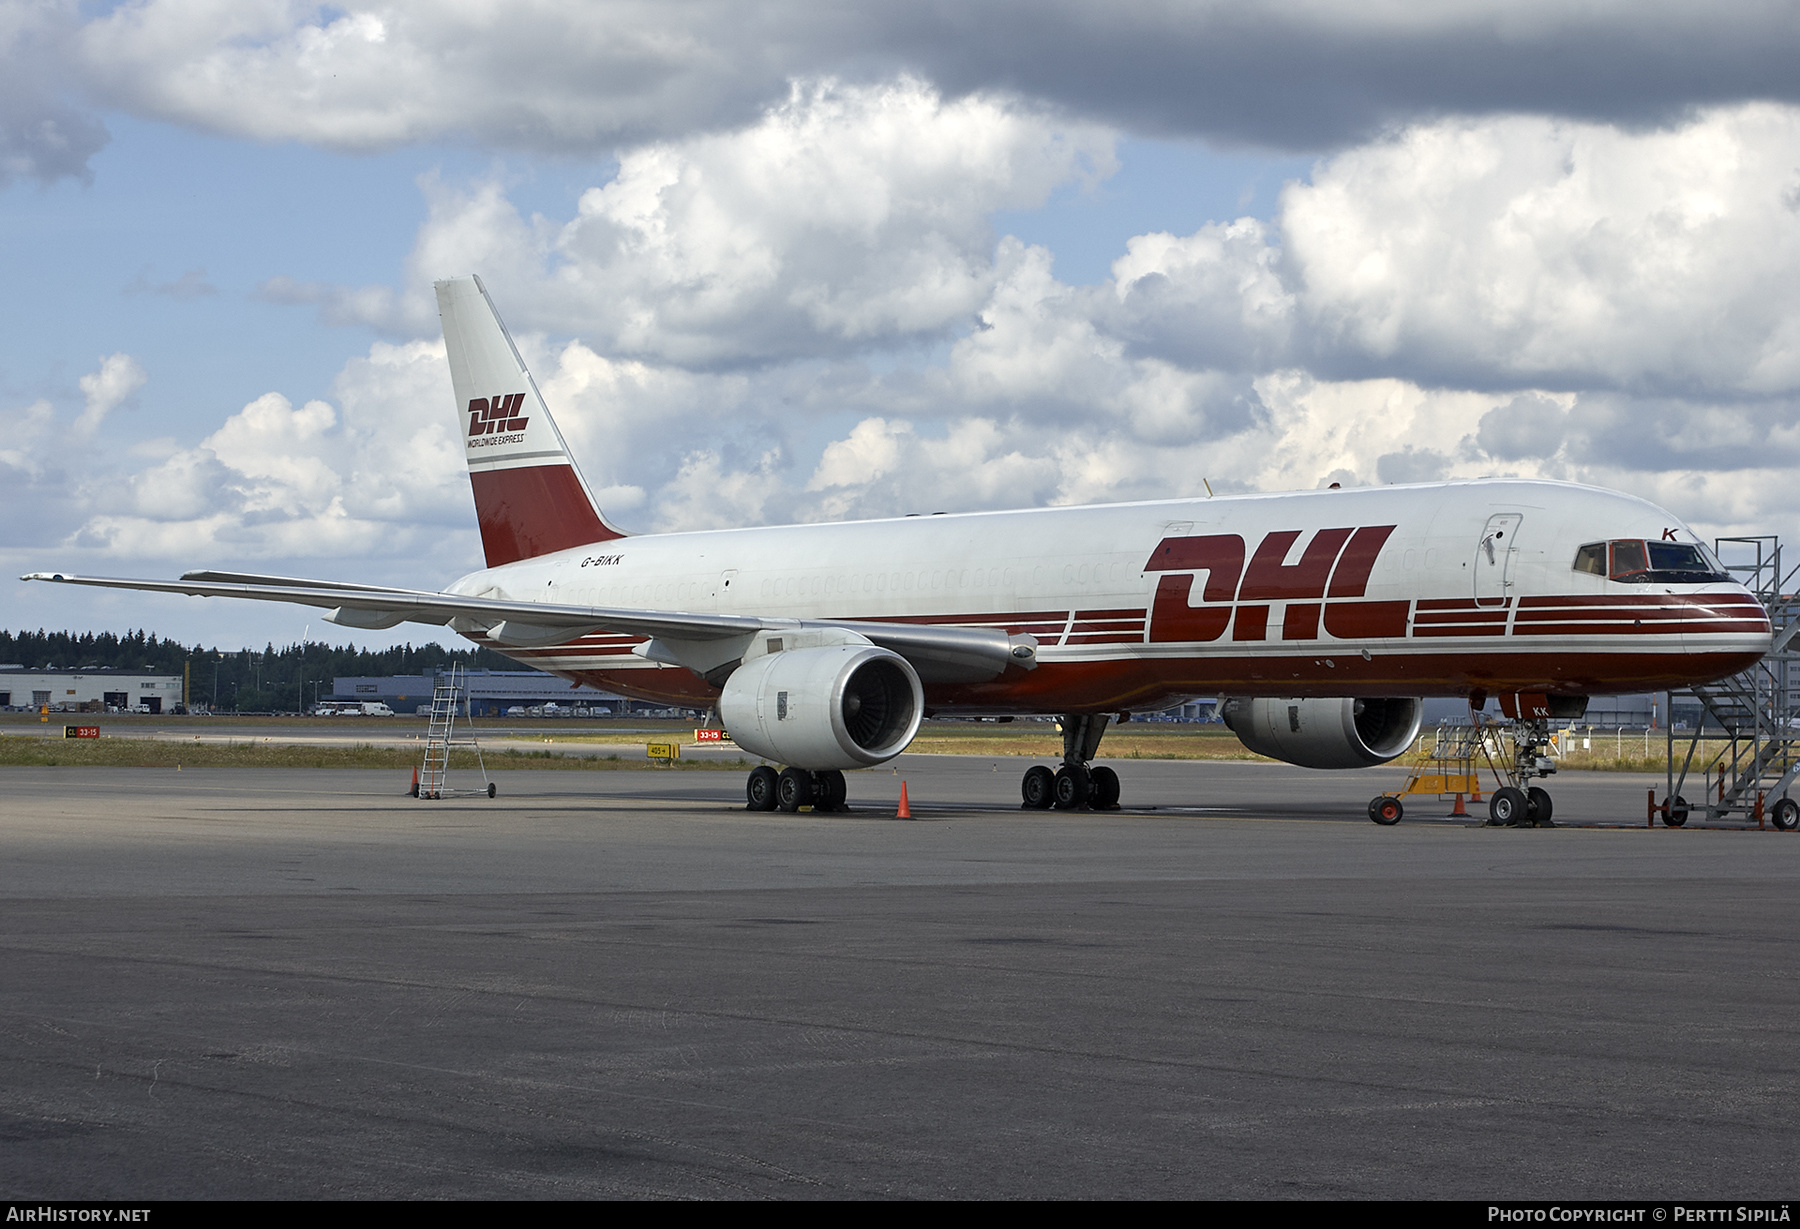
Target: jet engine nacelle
[
  {"x": 837, "y": 706},
  {"x": 1325, "y": 733}
]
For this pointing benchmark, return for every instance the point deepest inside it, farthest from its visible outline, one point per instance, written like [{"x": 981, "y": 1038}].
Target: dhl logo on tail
[{"x": 496, "y": 415}]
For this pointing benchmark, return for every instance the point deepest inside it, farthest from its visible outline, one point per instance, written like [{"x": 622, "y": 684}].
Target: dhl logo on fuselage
[
  {"x": 1324, "y": 586},
  {"x": 496, "y": 415}
]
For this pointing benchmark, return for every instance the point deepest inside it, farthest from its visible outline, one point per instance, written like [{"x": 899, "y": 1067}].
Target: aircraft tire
[
  {"x": 1386, "y": 810},
  {"x": 830, "y": 791},
  {"x": 1539, "y": 807},
  {"x": 1038, "y": 789},
  {"x": 794, "y": 789},
  {"x": 1508, "y": 807},
  {"x": 1105, "y": 789},
  {"x": 759, "y": 790},
  {"x": 1074, "y": 786},
  {"x": 1785, "y": 814}
]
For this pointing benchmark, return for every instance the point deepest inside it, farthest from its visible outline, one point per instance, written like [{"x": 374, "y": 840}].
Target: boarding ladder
[
  {"x": 1757, "y": 711},
  {"x": 440, "y": 737}
]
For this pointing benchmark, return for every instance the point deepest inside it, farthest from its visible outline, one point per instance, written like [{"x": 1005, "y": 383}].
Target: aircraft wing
[{"x": 937, "y": 652}]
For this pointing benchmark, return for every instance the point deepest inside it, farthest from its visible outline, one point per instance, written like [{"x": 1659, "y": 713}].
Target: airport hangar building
[
  {"x": 490, "y": 692},
  {"x": 89, "y": 691}
]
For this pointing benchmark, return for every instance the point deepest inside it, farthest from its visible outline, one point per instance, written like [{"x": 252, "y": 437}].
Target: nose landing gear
[
  {"x": 1515, "y": 750},
  {"x": 1521, "y": 804},
  {"x": 1075, "y": 786}
]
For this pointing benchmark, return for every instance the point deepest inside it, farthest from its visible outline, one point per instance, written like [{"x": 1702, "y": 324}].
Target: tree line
[{"x": 245, "y": 680}]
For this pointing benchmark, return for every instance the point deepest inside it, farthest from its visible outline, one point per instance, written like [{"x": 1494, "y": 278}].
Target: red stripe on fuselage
[{"x": 1638, "y": 599}]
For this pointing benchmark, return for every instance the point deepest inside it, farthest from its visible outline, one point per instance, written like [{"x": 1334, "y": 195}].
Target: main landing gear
[
  {"x": 793, "y": 788},
  {"x": 1075, "y": 786}
]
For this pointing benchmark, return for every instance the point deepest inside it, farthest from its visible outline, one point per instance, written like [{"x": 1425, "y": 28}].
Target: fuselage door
[{"x": 1494, "y": 555}]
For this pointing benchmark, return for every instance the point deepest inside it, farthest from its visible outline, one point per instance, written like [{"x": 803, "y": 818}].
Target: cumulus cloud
[
  {"x": 1215, "y": 297},
  {"x": 845, "y": 216},
  {"x": 117, "y": 380},
  {"x": 43, "y": 134},
  {"x": 378, "y": 475},
  {"x": 25, "y": 432},
  {"x": 582, "y": 76},
  {"x": 1043, "y": 350},
  {"x": 1536, "y": 251},
  {"x": 1529, "y": 426},
  {"x": 882, "y": 467}
]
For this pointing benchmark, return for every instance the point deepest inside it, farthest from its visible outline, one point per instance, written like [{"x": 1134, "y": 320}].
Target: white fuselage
[{"x": 1440, "y": 589}]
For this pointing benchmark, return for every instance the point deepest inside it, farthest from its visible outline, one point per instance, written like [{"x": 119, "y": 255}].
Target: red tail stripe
[{"x": 534, "y": 510}]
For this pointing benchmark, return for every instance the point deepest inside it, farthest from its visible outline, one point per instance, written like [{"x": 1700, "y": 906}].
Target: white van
[{"x": 353, "y": 708}]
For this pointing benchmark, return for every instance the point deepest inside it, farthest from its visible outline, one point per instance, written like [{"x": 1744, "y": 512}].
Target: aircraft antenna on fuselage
[{"x": 530, "y": 497}]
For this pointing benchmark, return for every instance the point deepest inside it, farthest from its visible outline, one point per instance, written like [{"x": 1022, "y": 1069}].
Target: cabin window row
[
  {"x": 662, "y": 593},
  {"x": 887, "y": 582},
  {"x": 951, "y": 578}
]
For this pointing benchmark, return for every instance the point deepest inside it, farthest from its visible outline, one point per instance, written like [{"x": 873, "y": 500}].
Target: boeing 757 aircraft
[{"x": 1323, "y": 616}]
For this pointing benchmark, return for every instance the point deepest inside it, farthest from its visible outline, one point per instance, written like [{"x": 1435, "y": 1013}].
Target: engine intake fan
[{"x": 835, "y": 706}]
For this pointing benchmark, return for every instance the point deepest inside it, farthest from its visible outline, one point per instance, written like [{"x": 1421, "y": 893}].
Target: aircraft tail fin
[{"x": 530, "y": 499}]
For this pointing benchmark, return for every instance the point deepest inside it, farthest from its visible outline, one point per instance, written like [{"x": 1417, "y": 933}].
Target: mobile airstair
[
  {"x": 449, "y": 695},
  {"x": 1742, "y": 753}
]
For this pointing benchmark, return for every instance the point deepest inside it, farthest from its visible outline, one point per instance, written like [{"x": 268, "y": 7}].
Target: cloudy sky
[{"x": 776, "y": 262}]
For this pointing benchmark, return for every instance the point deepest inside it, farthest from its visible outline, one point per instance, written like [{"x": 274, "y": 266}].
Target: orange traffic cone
[
  {"x": 1460, "y": 809},
  {"x": 905, "y": 812},
  {"x": 414, "y": 791}
]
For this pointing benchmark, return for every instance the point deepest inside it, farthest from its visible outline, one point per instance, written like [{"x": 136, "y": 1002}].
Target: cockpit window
[
  {"x": 1636, "y": 561},
  {"x": 1677, "y": 561},
  {"x": 1591, "y": 558}
]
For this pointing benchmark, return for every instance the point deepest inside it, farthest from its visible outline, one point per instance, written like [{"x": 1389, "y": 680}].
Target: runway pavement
[{"x": 305, "y": 984}]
